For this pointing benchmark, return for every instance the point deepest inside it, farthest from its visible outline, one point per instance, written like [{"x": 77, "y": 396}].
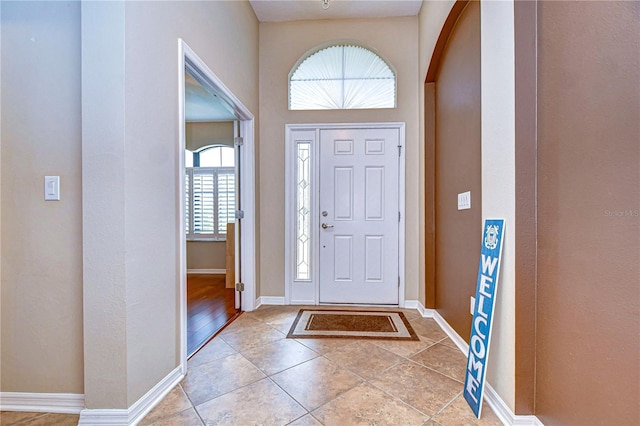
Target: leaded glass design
[
  {"x": 342, "y": 77},
  {"x": 303, "y": 212}
]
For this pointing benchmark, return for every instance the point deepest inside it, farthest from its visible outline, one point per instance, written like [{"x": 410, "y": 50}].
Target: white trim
[
  {"x": 305, "y": 302},
  {"x": 188, "y": 58},
  {"x": 499, "y": 407},
  {"x": 311, "y": 288},
  {"x": 207, "y": 271},
  {"x": 455, "y": 337},
  {"x": 110, "y": 417},
  {"x": 402, "y": 208},
  {"x": 63, "y": 403},
  {"x": 497, "y": 88},
  {"x": 270, "y": 300},
  {"x": 504, "y": 413},
  {"x": 134, "y": 414},
  {"x": 181, "y": 238},
  {"x": 418, "y": 306}
]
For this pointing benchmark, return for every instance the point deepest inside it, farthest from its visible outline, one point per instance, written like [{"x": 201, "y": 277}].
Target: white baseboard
[
  {"x": 504, "y": 413},
  {"x": 207, "y": 271},
  {"x": 499, "y": 407},
  {"x": 455, "y": 337},
  {"x": 134, "y": 414},
  {"x": 303, "y": 303},
  {"x": 269, "y": 300},
  {"x": 417, "y": 305},
  {"x": 63, "y": 403}
]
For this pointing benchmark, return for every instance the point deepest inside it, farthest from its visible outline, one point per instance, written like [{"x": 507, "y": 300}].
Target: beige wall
[
  {"x": 206, "y": 254},
  {"x": 216, "y": 31},
  {"x": 199, "y": 134},
  {"x": 62, "y": 258},
  {"x": 41, "y": 241},
  {"x": 431, "y": 19},
  {"x": 588, "y": 308},
  {"x": 498, "y": 191},
  {"x": 281, "y": 45}
]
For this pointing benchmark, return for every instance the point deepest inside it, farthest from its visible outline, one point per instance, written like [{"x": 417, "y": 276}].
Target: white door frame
[
  {"x": 187, "y": 57},
  {"x": 308, "y": 292}
]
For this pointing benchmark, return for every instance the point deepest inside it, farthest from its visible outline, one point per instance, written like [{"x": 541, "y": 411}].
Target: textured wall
[
  {"x": 281, "y": 45},
  {"x": 588, "y": 202},
  {"x": 41, "y": 241},
  {"x": 458, "y": 169}
]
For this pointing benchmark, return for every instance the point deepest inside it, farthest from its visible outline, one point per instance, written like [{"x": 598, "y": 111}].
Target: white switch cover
[
  {"x": 52, "y": 188},
  {"x": 473, "y": 305},
  {"x": 464, "y": 200}
]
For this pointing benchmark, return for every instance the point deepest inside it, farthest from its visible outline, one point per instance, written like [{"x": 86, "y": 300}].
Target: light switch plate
[
  {"x": 52, "y": 188},
  {"x": 464, "y": 200}
]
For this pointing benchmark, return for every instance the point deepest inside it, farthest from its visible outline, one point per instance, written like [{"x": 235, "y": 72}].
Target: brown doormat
[{"x": 330, "y": 323}]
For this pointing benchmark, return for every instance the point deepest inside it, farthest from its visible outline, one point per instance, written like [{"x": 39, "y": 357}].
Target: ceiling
[
  {"x": 296, "y": 10},
  {"x": 202, "y": 105}
]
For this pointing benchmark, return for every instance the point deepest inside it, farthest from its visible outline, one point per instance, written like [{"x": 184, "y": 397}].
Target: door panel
[{"x": 359, "y": 205}]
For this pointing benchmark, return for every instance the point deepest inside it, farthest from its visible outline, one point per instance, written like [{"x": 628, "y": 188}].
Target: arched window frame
[{"x": 342, "y": 43}]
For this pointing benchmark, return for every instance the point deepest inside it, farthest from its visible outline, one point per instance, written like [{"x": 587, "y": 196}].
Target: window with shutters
[{"x": 210, "y": 193}]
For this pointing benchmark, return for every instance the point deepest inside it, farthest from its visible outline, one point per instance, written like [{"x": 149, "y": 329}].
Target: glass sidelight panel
[{"x": 303, "y": 212}]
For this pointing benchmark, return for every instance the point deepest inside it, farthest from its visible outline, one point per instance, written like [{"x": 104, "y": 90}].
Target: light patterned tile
[
  {"x": 261, "y": 403},
  {"x": 418, "y": 386},
  {"x": 448, "y": 342},
  {"x": 367, "y": 405},
  {"x": 14, "y": 417},
  {"x": 248, "y": 338},
  {"x": 268, "y": 314},
  {"x": 282, "y": 323},
  {"x": 307, "y": 420},
  {"x": 212, "y": 351},
  {"x": 243, "y": 322},
  {"x": 364, "y": 358},
  {"x": 446, "y": 360},
  {"x": 459, "y": 413},
  {"x": 323, "y": 346},
  {"x": 427, "y": 327},
  {"x": 53, "y": 419},
  {"x": 404, "y": 348},
  {"x": 185, "y": 418},
  {"x": 316, "y": 382},
  {"x": 175, "y": 402},
  {"x": 213, "y": 379},
  {"x": 277, "y": 356}
]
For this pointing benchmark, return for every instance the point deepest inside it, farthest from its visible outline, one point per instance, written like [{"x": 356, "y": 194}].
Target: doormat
[{"x": 384, "y": 325}]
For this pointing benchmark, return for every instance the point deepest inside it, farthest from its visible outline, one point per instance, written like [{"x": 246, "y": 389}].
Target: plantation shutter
[
  {"x": 203, "y": 200},
  {"x": 226, "y": 198},
  {"x": 210, "y": 194}
]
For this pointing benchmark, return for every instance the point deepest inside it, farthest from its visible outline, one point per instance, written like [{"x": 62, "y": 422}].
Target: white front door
[{"x": 359, "y": 216}]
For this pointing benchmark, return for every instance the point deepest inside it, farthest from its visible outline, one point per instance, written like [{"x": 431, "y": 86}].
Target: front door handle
[{"x": 325, "y": 226}]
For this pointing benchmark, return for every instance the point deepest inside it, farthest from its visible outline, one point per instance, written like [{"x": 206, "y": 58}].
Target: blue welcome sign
[{"x": 479, "y": 340}]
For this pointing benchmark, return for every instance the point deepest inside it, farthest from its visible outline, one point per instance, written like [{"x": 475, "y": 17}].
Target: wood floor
[{"x": 210, "y": 306}]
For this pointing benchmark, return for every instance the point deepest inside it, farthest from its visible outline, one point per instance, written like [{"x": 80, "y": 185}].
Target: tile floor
[{"x": 251, "y": 374}]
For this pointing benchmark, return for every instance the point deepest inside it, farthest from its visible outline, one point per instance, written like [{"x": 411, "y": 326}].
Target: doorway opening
[{"x": 216, "y": 203}]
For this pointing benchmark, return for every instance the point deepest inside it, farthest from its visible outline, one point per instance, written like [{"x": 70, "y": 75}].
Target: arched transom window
[{"x": 342, "y": 77}]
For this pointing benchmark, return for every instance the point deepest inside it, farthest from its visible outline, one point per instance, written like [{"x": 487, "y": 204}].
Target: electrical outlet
[
  {"x": 464, "y": 200},
  {"x": 473, "y": 305}
]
